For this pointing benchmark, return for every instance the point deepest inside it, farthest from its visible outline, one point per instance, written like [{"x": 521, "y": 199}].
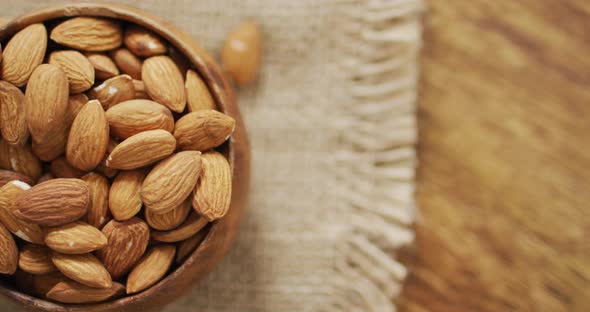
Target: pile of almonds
[{"x": 109, "y": 169}]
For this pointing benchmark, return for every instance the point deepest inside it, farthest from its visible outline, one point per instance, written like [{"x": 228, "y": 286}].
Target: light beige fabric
[{"x": 332, "y": 128}]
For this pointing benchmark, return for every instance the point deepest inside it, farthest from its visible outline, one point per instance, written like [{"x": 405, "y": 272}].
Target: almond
[
  {"x": 187, "y": 246},
  {"x": 104, "y": 67},
  {"x": 193, "y": 224},
  {"x": 98, "y": 213},
  {"x": 89, "y": 137},
  {"x": 128, "y": 241},
  {"x": 72, "y": 292},
  {"x": 9, "y": 254},
  {"x": 60, "y": 168},
  {"x": 46, "y": 98},
  {"x": 85, "y": 269},
  {"x": 197, "y": 94},
  {"x": 51, "y": 147},
  {"x": 13, "y": 114},
  {"x": 44, "y": 282},
  {"x": 169, "y": 220},
  {"x": 113, "y": 91},
  {"x": 75, "y": 238},
  {"x": 212, "y": 195},
  {"x": 24, "y": 161},
  {"x": 127, "y": 62},
  {"x": 164, "y": 83},
  {"x": 132, "y": 117},
  {"x": 152, "y": 267},
  {"x": 88, "y": 34},
  {"x": 5, "y": 155},
  {"x": 242, "y": 53},
  {"x": 102, "y": 167},
  {"x": 143, "y": 42},
  {"x": 53, "y": 203},
  {"x": 16, "y": 66},
  {"x": 124, "y": 199},
  {"x": 46, "y": 177},
  {"x": 75, "y": 104},
  {"x": 142, "y": 149},
  {"x": 26, "y": 231},
  {"x": 35, "y": 259},
  {"x": 140, "y": 92},
  {"x": 180, "y": 60},
  {"x": 171, "y": 181},
  {"x": 9, "y": 175},
  {"x": 203, "y": 130},
  {"x": 77, "y": 67}
]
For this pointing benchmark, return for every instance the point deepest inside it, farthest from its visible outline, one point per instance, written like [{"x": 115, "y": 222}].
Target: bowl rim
[{"x": 217, "y": 241}]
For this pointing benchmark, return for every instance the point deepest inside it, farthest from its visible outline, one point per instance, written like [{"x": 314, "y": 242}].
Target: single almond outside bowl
[{"x": 222, "y": 232}]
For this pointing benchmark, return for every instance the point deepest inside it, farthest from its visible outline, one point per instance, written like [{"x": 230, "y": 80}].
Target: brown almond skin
[
  {"x": 9, "y": 175},
  {"x": 197, "y": 94},
  {"x": 53, "y": 203},
  {"x": 98, "y": 213},
  {"x": 127, "y": 62},
  {"x": 73, "y": 292},
  {"x": 193, "y": 224},
  {"x": 55, "y": 146},
  {"x": 203, "y": 130},
  {"x": 143, "y": 42},
  {"x": 171, "y": 181},
  {"x": 113, "y": 91},
  {"x": 35, "y": 259},
  {"x": 187, "y": 246},
  {"x": 26, "y": 231},
  {"x": 75, "y": 104},
  {"x": 169, "y": 220},
  {"x": 128, "y": 241},
  {"x": 152, "y": 267},
  {"x": 46, "y": 99},
  {"x": 16, "y": 66},
  {"x": 51, "y": 147},
  {"x": 242, "y": 53},
  {"x": 77, "y": 67},
  {"x": 61, "y": 168},
  {"x": 102, "y": 167},
  {"x": 24, "y": 161},
  {"x": 46, "y": 177},
  {"x": 142, "y": 149},
  {"x": 124, "y": 199},
  {"x": 44, "y": 282},
  {"x": 9, "y": 254},
  {"x": 212, "y": 195},
  {"x": 104, "y": 66},
  {"x": 89, "y": 137},
  {"x": 140, "y": 92},
  {"x": 164, "y": 83},
  {"x": 75, "y": 238},
  {"x": 132, "y": 117},
  {"x": 88, "y": 33},
  {"x": 13, "y": 114},
  {"x": 84, "y": 268}
]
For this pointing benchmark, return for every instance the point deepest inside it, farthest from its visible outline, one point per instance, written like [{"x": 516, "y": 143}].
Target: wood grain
[{"x": 504, "y": 177}]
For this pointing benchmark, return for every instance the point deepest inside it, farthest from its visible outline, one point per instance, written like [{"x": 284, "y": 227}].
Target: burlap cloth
[{"x": 332, "y": 127}]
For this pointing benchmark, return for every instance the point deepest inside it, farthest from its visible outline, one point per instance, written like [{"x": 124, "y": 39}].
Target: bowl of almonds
[{"x": 124, "y": 161}]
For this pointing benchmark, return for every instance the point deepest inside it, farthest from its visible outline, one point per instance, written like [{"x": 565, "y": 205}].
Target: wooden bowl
[{"x": 222, "y": 232}]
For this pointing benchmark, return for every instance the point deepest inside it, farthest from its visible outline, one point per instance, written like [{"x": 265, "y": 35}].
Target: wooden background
[{"x": 504, "y": 176}]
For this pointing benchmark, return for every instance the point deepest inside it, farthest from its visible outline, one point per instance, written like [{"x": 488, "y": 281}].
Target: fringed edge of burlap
[{"x": 380, "y": 41}]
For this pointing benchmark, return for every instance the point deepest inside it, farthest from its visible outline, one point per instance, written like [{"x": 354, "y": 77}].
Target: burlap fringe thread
[{"x": 381, "y": 40}]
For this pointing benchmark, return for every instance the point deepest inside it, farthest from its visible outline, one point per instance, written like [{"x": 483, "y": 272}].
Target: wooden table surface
[{"x": 504, "y": 175}]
